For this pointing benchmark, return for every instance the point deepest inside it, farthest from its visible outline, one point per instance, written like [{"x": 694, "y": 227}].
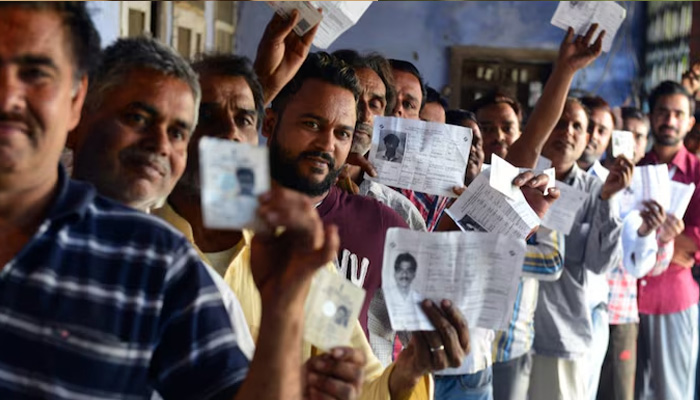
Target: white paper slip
[
  {"x": 562, "y": 213},
  {"x": 309, "y": 15},
  {"x": 551, "y": 174},
  {"x": 623, "y": 144},
  {"x": 681, "y": 194},
  {"x": 479, "y": 272},
  {"x": 580, "y": 15},
  {"x": 427, "y": 157},
  {"x": 338, "y": 17},
  {"x": 233, "y": 175},
  {"x": 483, "y": 208},
  {"x": 502, "y": 175},
  {"x": 543, "y": 163},
  {"x": 651, "y": 182},
  {"x": 332, "y": 308}
]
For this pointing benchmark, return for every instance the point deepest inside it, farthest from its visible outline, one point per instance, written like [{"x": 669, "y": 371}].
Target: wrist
[{"x": 405, "y": 375}]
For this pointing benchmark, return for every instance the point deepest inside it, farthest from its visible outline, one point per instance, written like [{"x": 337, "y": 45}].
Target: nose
[
  {"x": 157, "y": 140},
  {"x": 325, "y": 141},
  {"x": 363, "y": 113},
  {"x": 12, "y": 94}
]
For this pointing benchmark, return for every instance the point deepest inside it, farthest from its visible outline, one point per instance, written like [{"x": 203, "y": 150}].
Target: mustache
[
  {"x": 138, "y": 156},
  {"x": 325, "y": 156},
  {"x": 30, "y": 124},
  {"x": 668, "y": 127},
  {"x": 364, "y": 128}
]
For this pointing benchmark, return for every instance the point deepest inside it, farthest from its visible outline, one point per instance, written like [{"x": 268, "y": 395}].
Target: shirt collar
[
  {"x": 72, "y": 197},
  {"x": 571, "y": 176},
  {"x": 682, "y": 159}
]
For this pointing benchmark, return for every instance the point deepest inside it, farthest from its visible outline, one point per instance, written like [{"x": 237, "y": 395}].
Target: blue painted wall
[{"x": 429, "y": 28}]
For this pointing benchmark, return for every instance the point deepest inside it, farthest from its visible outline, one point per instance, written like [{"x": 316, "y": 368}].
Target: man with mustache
[
  {"x": 562, "y": 319},
  {"x": 602, "y": 123},
  {"x": 377, "y": 96},
  {"x": 668, "y": 326},
  {"x": 499, "y": 117},
  {"x": 100, "y": 300}
]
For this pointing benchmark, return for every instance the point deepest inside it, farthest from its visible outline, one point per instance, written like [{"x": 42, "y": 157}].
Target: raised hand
[
  {"x": 533, "y": 190},
  {"x": 576, "y": 53},
  {"x": 281, "y": 53},
  {"x": 653, "y": 216},
  {"x": 671, "y": 228},
  {"x": 283, "y": 263},
  {"x": 338, "y": 374},
  {"x": 691, "y": 79},
  {"x": 620, "y": 177}
]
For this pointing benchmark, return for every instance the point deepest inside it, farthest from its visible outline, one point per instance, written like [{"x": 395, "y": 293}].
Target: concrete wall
[{"x": 423, "y": 31}]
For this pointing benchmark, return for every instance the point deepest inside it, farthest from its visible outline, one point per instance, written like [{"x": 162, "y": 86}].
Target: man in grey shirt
[{"x": 563, "y": 330}]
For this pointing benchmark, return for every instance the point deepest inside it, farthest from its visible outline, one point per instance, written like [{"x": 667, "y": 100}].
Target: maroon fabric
[
  {"x": 362, "y": 224},
  {"x": 675, "y": 290}
]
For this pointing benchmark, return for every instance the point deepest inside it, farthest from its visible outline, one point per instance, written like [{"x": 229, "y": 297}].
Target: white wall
[{"x": 105, "y": 15}]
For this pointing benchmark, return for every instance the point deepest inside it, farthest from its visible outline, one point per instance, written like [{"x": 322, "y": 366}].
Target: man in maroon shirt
[
  {"x": 668, "y": 328},
  {"x": 309, "y": 128}
]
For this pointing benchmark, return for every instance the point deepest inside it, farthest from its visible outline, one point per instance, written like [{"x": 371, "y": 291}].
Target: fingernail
[
  {"x": 319, "y": 364},
  {"x": 338, "y": 353},
  {"x": 446, "y": 303},
  {"x": 428, "y": 303}
]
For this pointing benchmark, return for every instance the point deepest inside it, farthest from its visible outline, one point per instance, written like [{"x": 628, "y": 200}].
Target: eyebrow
[
  {"x": 325, "y": 121},
  {"x": 410, "y": 97},
  {"x": 37, "y": 60},
  {"x": 153, "y": 112}
]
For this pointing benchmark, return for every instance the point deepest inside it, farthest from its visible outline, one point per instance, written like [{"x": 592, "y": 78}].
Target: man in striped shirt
[{"x": 100, "y": 301}]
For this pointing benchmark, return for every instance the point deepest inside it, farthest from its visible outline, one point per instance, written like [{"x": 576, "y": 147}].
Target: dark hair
[
  {"x": 82, "y": 35},
  {"x": 455, "y": 117},
  {"x": 220, "y": 64},
  {"x": 668, "y": 88},
  {"x": 497, "y": 97},
  {"x": 596, "y": 102},
  {"x": 245, "y": 171},
  {"x": 433, "y": 96},
  {"x": 632, "y": 113},
  {"x": 321, "y": 66},
  {"x": 391, "y": 138},
  {"x": 405, "y": 66},
  {"x": 405, "y": 257},
  {"x": 377, "y": 63}
]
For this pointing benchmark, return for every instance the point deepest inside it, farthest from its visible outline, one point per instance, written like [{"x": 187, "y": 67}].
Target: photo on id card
[
  {"x": 332, "y": 309},
  {"x": 232, "y": 177}
]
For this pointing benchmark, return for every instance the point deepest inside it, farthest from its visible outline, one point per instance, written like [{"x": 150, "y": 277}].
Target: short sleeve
[{"x": 196, "y": 354}]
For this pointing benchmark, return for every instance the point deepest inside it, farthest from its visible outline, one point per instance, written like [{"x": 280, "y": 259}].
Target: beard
[
  {"x": 361, "y": 143},
  {"x": 284, "y": 168},
  {"x": 667, "y": 140}
]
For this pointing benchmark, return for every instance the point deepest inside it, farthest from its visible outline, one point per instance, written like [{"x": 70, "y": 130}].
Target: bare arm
[{"x": 574, "y": 54}]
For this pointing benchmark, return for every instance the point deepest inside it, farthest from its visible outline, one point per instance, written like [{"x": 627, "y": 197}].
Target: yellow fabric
[{"x": 240, "y": 279}]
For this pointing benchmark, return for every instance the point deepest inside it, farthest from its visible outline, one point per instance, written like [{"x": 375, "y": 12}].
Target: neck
[
  {"x": 562, "y": 171},
  {"x": 666, "y": 153},
  {"x": 585, "y": 165},
  {"x": 21, "y": 213},
  {"x": 189, "y": 206},
  {"x": 404, "y": 291}
]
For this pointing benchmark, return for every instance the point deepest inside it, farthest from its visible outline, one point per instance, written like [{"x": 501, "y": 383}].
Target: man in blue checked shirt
[{"x": 101, "y": 301}]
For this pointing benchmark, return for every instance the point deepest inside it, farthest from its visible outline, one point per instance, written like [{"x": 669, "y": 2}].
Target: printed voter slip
[
  {"x": 651, "y": 182},
  {"x": 484, "y": 209},
  {"x": 232, "y": 175},
  {"x": 623, "y": 144},
  {"x": 479, "y": 272},
  {"x": 332, "y": 309},
  {"x": 681, "y": 194},
  {"x": 580, "y": 15},
  {"x": 503, "y": 174},
  {"x": 427, "y": 157},
  {"x": 337, "y": 17},
  {"x": 562, "y": 213}
]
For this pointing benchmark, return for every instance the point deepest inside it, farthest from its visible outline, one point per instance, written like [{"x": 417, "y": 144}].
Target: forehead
[
  {"x": 405, "y": 264},
  {"x": 601, "y": 116},
  {"x": 497, "y": 111},
  {"x": 225, "y": 89},
  {"x": 574, "y": 111},
  {"x": 168, "y": 94},
  {"x": 30, "y": 32},
  {"x": 370, "y": 81},
  {"x": 675, "y": 102},
  {"x": 328, "y": 101},
  {"x": 407, "y": 82}
]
